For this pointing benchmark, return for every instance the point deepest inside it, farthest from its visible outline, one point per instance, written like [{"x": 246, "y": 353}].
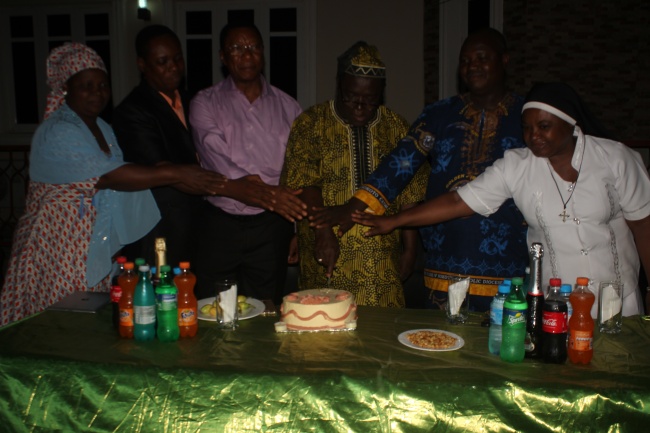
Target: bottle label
[
  {"x": 496, "y": 312},
  {"x": 126, "y": 317},
  {"x": 166, "y": 302},
  {"x": 145, "y": 315},
  {"x": 186, "y": 317},
  {"x": 554, "y": 322},
  {"x": 116, "y": 294},
  {"x": 529, "y": 344},
  {"x": 514, "y": 318},
  {"x": 581, "y": 340}
]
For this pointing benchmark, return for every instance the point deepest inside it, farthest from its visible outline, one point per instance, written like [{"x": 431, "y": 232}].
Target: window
[
  {"x": 457, "y": 20},
  {"x": 32, "y": 33},
  {"x": 284, "y": 27}
]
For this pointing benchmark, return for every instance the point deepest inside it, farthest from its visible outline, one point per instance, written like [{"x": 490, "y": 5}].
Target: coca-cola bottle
[
  {"x": 535, "y": 300},
  {"x": 555, "y": 327}
]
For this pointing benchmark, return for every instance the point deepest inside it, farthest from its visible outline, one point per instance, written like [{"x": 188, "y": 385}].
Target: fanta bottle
[
  {"x": 127, "y": 281},
  {"x": 581, "y": 325},
  {"x": 187, "y": 304}
]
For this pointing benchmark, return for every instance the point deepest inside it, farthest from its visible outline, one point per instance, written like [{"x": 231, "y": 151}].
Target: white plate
[
  {"x": 258, "y": 308},
  {"x": 405, "y": 341}
]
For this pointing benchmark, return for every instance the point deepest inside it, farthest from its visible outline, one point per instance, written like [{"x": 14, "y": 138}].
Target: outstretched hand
[
  {"x": 284, "y": 201},
  {"x": 332, "y": 216},
  {"x": 197, "y": 180},
  {"x": 379, "y": 225}
]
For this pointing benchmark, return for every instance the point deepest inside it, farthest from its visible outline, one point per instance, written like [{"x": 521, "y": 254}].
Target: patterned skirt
[{"x": 49, "y": 250}]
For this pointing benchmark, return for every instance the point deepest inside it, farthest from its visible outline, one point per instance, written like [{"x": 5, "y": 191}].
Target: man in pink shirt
[{"x": 240, "y": 128}]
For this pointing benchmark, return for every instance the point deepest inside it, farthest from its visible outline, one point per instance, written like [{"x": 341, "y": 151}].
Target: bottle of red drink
[
  {"x": 187, "y": 304},
  {"x": 554, "y": 327},
  {"x": 581, "y": 325},
  {"x": 116, "y": 291}
]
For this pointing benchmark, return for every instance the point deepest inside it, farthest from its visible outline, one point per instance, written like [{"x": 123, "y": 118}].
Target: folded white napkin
[
  {"x": 228, "y": 303},
  {"x": 611, "y": 303},
  {"x": 456, "y": 294}
]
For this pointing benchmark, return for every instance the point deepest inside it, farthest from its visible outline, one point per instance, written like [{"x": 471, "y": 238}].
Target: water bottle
[
  {"x": 496, "y": 319},
  {"x": 144, "y": 307},
  {"x": 514, "y": 323},
  {"x": 565, "y": 291},
  {"x": 166, "y": 306}
]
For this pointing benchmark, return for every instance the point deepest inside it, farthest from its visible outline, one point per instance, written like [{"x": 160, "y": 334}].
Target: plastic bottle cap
[
  {"x": 184, "y": 265},
  {"x": 507, "y": 282},
  {"x": 555, "y": 282},
  {"x": 504, "y": 288},
  {"x": 566, "y": 288},
  {"x": 165, "y": 268},
  {"x": 128, "y": 265},
  {"x": 517, "y": 281},
  {"x": 143, "y": 268},
  {"x": 582, "y": 281},
  {"x": 121, "y": 260}
]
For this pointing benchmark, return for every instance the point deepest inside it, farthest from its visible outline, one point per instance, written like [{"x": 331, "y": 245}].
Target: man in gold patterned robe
[{"x": 332, "y": 148}]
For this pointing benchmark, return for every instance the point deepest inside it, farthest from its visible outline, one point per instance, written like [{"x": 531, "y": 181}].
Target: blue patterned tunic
[{"x": 460, "y": 142}]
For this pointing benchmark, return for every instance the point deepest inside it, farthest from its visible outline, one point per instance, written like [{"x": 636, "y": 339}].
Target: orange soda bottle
[
  {"x": 187, "y": 304},
  {"x": 127, "y": 281},
  {"x": 581, "y": 325}
]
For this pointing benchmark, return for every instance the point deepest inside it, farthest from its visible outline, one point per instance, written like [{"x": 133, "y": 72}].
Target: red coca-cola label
[{"x": 554, "y": 322}]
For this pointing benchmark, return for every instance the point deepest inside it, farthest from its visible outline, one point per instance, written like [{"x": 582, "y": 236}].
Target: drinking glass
[
  {"x": 227, "y": 304},
  {"x": 610, "y": 307},
  {"x": 457, "y": 307}
]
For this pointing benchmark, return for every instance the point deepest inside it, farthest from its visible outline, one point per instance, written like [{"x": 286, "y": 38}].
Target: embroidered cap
[{"x": 361, "y": 60}]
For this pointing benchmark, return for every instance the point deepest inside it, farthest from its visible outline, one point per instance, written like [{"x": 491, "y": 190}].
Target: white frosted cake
[{"x": 318, "y": 310}]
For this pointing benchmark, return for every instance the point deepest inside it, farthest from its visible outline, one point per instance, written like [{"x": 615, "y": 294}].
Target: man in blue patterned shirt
[{"x": 460, "y": 136}]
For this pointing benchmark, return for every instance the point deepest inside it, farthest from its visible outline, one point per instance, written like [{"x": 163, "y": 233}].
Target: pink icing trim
[
  {"x": 315, "y": 300},
  {"x": 313, "y": 328},
  {"x": 351, "y": 308}
]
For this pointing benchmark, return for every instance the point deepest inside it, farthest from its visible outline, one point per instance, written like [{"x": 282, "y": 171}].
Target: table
[{"x": 70, "y": 372}]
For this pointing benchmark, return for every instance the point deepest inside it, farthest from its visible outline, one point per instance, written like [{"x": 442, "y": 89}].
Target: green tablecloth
[{"x": 70, "y": 372}]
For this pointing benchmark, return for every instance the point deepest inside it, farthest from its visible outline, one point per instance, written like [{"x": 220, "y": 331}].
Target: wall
[
  {"x": 395, "y": 27},
  {"x": 602, "y": 48},
  {"x": 431, "y": 50}
]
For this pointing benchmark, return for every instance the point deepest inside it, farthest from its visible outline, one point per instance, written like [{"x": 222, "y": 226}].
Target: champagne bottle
[{"x": 535, "y": 300}]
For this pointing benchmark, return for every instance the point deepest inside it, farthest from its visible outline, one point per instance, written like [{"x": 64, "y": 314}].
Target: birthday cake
[{"x": 318, "y": 310}]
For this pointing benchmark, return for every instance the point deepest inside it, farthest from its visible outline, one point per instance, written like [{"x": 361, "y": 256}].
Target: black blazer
[{"x": 148, "y": 131}]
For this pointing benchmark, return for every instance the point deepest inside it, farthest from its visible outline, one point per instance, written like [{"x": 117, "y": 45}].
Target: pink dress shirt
[{"x": 237, "y": 138}]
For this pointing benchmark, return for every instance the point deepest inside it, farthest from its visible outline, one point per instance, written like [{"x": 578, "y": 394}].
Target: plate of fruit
[{"x": 246, "y": 308}]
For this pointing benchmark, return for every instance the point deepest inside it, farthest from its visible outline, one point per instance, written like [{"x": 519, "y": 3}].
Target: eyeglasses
[{"x": 238, "y": 50}]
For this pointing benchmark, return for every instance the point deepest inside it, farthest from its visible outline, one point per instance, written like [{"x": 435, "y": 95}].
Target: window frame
[
  {"x": 10, "y": 131},
  {"x": 305, "y": 35}
]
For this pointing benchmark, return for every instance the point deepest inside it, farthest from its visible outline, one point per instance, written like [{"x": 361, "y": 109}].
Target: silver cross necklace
[{"x": 564, "y": 215}]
